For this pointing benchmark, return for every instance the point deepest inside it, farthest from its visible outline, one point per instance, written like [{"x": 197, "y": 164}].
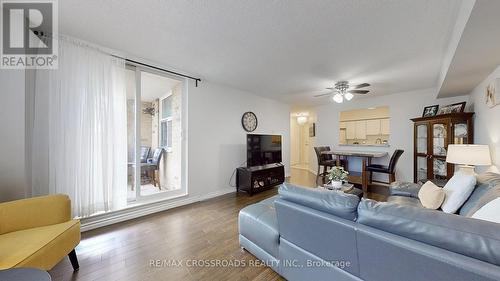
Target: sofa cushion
[
  {"x": 489, "y": 178},
  {"x": 41, "y": 247},
  {"x": 490, "y": 195},
  {"x": 431, "y": 196},
  {"x": 258, "y": 224},
  {"x": 457, "y": 189},
  {"x": 470, "y": 237},
  {"x": 407, "y": 189},
  {"x": 489, "y": 212},
  {"x": 403, "y": 200},
  {"x": 329, "y": 201},
  {"x": 482, "y": 194}
]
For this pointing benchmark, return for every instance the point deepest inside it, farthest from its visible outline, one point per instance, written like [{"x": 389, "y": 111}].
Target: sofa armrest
[
  {"x": 407, "y": 189},
  {"x": 34, "y": 212}
]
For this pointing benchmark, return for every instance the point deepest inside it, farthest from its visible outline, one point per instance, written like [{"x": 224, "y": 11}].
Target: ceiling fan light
[
  {"x": 348, "y": 96},
  {"x": 338, "y": 98}
]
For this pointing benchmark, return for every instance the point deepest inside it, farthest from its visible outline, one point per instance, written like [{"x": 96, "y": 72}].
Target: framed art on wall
[
  {"x": 453, "y": 108},
  {"x": 312, "y": 130},
  {"x": 492, "y": 90},
  {"x": 430, "y": 111}
]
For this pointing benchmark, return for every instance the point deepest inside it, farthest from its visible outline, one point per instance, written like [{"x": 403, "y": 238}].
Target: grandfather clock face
[{"x": 249, "y": 121}]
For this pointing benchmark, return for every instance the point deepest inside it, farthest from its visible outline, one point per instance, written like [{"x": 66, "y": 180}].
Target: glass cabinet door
[
  {"x": 422, "y": 139},
  {"x": 422, "y": 174},
  {"x": 460, "y": 133},
  {"x": 439, "y": 139},
  {"x": 440, "y": 171}
]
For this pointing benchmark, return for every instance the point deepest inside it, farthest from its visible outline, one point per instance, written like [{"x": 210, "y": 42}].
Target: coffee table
[
  {"x": 24, "y": 274},
  {"x": 348, "y": 188}
]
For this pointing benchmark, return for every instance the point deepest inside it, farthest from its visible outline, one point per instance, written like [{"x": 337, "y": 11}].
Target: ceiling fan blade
[
  {"x": 322, "y": 95},
  {"x": 361, "y": 92},
  {"x": 360, "y": 86}
]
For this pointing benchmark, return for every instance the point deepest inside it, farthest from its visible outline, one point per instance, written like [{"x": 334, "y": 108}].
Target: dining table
[{"x": 366, "y": 157}]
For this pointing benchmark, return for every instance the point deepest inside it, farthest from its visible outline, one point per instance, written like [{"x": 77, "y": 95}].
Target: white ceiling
[
  {"x": 284, "y": 49},
  {"x": 477, "y": 53}
]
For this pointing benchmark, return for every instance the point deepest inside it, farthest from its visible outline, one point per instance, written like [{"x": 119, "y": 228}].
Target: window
[
  {"x": 166, "y": 123},
  {"x": 166, "y": 133}
]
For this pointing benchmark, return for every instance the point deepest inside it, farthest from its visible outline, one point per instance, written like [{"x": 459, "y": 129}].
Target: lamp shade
[{"x": 469, "y": 154}]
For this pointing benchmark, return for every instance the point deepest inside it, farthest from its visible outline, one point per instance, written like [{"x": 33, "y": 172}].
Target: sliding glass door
[{"x": 156, "y": 148}]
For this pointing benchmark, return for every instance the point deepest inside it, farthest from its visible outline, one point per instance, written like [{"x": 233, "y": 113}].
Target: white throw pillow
[
  {"x": 489, "y": 212},
  {"x": 457, "y": 190},
  {"x": 431, "y": 196}
]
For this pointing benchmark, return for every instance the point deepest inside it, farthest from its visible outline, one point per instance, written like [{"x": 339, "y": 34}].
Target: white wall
[
  {"x": 12, "y": 135},
  {"x": 403, "y": 107},
  {"x": 216, "y": 139},
  {"x": 294, "y": 141},
  {"x": 486, "y": 122}
]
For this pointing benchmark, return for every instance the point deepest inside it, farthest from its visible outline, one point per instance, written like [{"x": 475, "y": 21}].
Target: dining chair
[
  {"x": 389, "y": 169},
  {"x": 152, "y": 166},
  {"x": 145, "y": 150},
  {"x": 326, "y": 161}
]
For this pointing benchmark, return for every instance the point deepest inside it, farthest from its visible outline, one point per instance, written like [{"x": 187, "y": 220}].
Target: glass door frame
[
  {"x": 421, "y": 154},
  {"x": 432, "y": 156},
  {"x": 169, "y": 194}
]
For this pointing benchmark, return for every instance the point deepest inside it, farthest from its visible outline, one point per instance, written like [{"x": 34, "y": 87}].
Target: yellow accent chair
[{"x": 38, "y": 232}]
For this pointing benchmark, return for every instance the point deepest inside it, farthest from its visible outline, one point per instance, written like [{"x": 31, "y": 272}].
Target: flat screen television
[{"x": 263, "y": 149}]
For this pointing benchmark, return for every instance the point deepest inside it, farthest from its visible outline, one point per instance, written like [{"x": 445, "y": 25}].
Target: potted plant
[{"x": 337, "y": 175}]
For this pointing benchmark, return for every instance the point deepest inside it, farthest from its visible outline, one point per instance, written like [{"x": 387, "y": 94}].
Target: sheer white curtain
[{"x": 79, "y": 133}]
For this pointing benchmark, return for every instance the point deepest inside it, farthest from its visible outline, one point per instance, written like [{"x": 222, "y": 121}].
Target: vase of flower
[
  {"x": 336, "y": 184},
  {"x": 336, "y": 176}
]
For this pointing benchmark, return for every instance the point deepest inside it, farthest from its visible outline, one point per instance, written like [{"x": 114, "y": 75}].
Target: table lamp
[{"x": 468, "y": 155}]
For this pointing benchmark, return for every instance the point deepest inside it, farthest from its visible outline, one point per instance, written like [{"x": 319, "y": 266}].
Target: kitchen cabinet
[
  {"x": 361, "y": 130},
  {"x": 385, "y": 127},
  {"x": 350, "y": 128},
  {"x": 373, "y": 127}
]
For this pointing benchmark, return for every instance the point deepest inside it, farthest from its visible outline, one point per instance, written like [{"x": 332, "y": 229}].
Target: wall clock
[{"x": 249, "y": 121}]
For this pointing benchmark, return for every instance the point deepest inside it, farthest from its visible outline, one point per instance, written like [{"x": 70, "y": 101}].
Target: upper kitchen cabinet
[
  {"x": 385, "y": 127},
  {"x": 369, "y": 127},
  {"x": 373, "y": 127}
]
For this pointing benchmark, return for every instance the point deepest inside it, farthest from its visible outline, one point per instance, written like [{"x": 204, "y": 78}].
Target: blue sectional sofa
[{"x": 313, "y": 234}]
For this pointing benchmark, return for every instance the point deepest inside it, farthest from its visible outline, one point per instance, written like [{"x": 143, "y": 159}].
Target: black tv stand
[{"x": 259, "y": 178}]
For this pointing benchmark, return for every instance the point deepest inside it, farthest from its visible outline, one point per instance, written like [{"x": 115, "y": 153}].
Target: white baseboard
[{"x": 146, "y": 209}]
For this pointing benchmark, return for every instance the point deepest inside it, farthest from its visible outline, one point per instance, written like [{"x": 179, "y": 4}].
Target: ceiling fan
[{"x": 342, "y": 90}]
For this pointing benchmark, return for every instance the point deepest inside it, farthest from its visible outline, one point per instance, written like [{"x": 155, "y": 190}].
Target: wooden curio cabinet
[{"x": 432, "y": 135}]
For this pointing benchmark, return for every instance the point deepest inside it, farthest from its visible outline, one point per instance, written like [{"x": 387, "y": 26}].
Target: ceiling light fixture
[
  {"x": 302, "y": 117},
  {"x": 338, "y": 98},
  {"x": 343, "y": 90},
  {"x": 348, "y": 96},
  {"x": 301, "y": 120}
]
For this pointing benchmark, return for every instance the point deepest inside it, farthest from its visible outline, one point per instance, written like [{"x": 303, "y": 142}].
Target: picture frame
[
  {"x": 452, "y": 108},
  {"x": 431, "y": 110},
  {"x": 491, "y": 93},
  {"x": 312, "y": 130}
]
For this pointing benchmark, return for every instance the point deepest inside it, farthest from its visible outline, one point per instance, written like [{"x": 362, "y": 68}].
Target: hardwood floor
[{"x": 202, "y": 232}]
